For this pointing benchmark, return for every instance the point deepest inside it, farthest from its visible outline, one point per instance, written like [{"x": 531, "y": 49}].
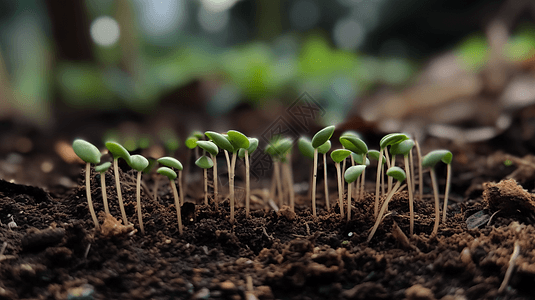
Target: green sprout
[
  {"x": 387, "y": 140},
  {"x": 245, "y": 153},
  {"x": 172, "y": 162},
  {"x": 118, "y": 151},
  {"x": 212, "y": 149},
  {"x": 172, "y": 176},
  {"x": 404, "y": 148},
  {"x": 205, "y": 163},
  {"x": 305, "y": 147},
  {"x": 139, "y": 163},
  {"x": 191, "y": 143},
  {"x": 338, "y": 156},
  {"x": 353, "y": 143},
  {"x": 360, "y": 159},
  {"x": 91, "y": 155},
  {"x": 323, "y": 149},
  {"x": 279, "y": 149},
  {"x": 430, "y": 160},
  {"x": 102, "y": 168},
  {"x": 350, "y": 176},
  {"x": 398, "y": 174},
  {"x": 320, "y": 138}
]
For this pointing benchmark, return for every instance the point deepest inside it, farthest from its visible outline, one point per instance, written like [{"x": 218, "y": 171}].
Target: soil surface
[{"x": 53, "y": 251}]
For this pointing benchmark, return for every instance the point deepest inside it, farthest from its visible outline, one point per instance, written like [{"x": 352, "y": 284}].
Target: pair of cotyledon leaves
[{"x": 90, "y": 154}]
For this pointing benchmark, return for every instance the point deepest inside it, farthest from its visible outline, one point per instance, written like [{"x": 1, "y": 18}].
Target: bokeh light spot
[{"x": 105, "y": 31}]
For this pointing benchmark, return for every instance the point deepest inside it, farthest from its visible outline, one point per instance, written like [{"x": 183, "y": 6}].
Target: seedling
[
  {"x": 387, "y": 140},
  {"x": 320, "y": 138},
  {"x": 305, "y": 147},
  {"x": 118, "y": 151},
  {"x": 205, "y": 163},
  {"x": 404, "y": 148},
  {"x": 191, "y": 143},
  {"x": 278, "y": 150},
  {"x": 174, "y": 163},
  {"x": 90, "y": 154},
  {"x": 212, "y": 149},
  {"x": 350, "y": 175},
  {"x": 353, "y": 143},
  {"x": 172, "y": 176},
  {"x": 102, "y": 168},
  {"x": 398, "y": 174},
  {"x": 338, "y": 156},
  {"x": 430, "y": 160},
  {"x": 360, "y": 159},
  {"x": 323, "y": 149},
  {"x": 139, "y": 163},
  {"x": 245, "y": 153}
]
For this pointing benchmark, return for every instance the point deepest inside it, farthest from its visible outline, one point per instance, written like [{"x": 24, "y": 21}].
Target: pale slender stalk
[
  {"x": 228, "y": 169},
  {"x": 314, "y": 181},
  {"x": 420, "y": 172},
  {"x": 326, "y": 186},
  {"x": 216, "y": 192},
  {"x": 383, "y": 209},
  {"x": 411, "y": 192},
  {"x": 138, "y": 198},
  {"x": 356, "y": 191},
  {"x": 119, "y": 194},
  {"x": 231, "y": 185},
  {"x": 383, "y": 181},
  {"x": 340, "y": 190},
  {"x": 437, "y": 208},
  {"x": 446, "y": 193},
  {"x": 276, "y": 169},
  {"x": 205, "y": 176},
  {"x": 309, "y": 195},
  {"x": 290, "y": 183},
  {"x": 247, "y": 185},
  {"x": 104, "y": 194},
  {"x": 362, "y": 182},
  {"x": 88, "y": 194},
  {"x": 378, "y": 182},
  {"x": 352, "y": 164},
  {"x": 177, "y": 205},
  {"x": 411, "y": 161},
  {"x": 349, "y": 185},
  {"x": 391, "y": 179},
  {"x": 180, "y": 186},
  {"x": 273, "y": 188},
  {"x": 343, "y": 173}
]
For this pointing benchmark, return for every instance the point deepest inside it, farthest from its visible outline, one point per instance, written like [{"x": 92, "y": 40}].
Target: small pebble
[{"x": 84, "y": 292}]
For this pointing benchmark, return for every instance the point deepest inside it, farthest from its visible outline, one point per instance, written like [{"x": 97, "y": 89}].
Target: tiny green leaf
[
  {"x": 402, "y": 148},
  {"x": 323, "y": 149},
  {"x": 209, "y": 146},
  {"x": 351, "y": 133},
  {"x": 352, "y": 173},
  {"x": 238, "y": 139},
  {"x": 86, "y": 151},
  {"x": 167, "y": 172},
  {"x": 433, "y": 157},
  {"x": 103, "y": 167},
  {"x": 191, "y": 142},
  {"x": 358, "y": 158},
  {"x": 199, "y": 135},
  {"x": 118, "y": 151},
  {"x": 322, "y": 136},
  {"x": 283, "y": 146},
  {"x": 305, "y": 147},
  {"x": 354, "y": 144},
  {"x": 138, "y": 162},
  {"x": 397, "y": 173},
  {"x": 339, "y": 155},
  {"x": 253, "y": 144},
  {"x": 220, "y": 140},
  {"x": 204, "y": 162},
  {"x": 170, "y": 162},
  {"x": 374, "y": 154},
  {"x": 391, "y": 139}
]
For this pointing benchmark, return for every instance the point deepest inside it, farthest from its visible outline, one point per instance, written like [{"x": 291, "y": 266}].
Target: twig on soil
[
  {"x": 510, "y": 268},
  {"x": 490, "y": 219},
  {"x": 87, "y": 250}
]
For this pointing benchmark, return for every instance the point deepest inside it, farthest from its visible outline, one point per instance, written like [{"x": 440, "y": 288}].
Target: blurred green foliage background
[{"x": 131, "y": 54}]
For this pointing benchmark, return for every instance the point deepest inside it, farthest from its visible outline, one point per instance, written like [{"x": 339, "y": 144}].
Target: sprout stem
[
  {"x": 349, "y": 200},
  {"x": 340, "y": 190},
  {"x": 343, "y": 173},
  {"x": 138, "y": 198},
  {"x": 437, "y": 208},
  {"x": 216, "y": 193},
  {"x": 88, "y": 193},
  {"x": 326, "y": 186},
  {"x": 247, "y": 185},
  {"x": 420, "y": 172},
  {"x": 156, "y": 186},
  {"x": 361, "y": 194},
  {"x": 231, "y": 184},
  {"x": 411, "y": 160},
  {"x": 182, "y": 199},
  {"x": 315, "y": 174},
  {"x": 411, "y": 192},
  {"x": 377, "y": 182},
  {"x": 205, "y": 176},
  {"x": 391, "y": 179},
  {"x": 383, "y": 209},
  {"x": 177, "y": 204},
  {"x": 104, "y": 194},
  {"x": 290, "y": 182},
  {"x": 119, "y": 194},
  {"x": 447, "y": 192},
  {"x": 276, "y": 169}
]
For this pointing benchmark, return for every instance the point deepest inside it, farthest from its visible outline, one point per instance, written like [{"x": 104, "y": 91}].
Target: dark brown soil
[{"x": 55, "y": 252}]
